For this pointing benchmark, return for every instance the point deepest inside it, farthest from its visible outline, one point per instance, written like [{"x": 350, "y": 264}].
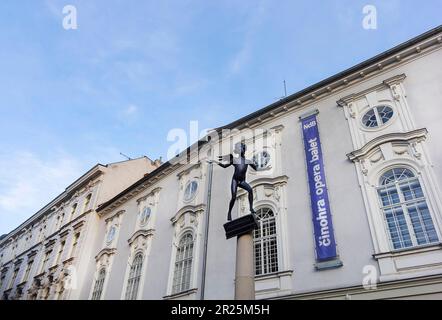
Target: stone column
[
  {"x": 245, "y": 270},
  {"x": 242, "y": 228}
]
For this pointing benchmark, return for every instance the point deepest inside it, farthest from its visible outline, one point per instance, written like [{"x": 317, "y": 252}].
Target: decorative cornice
[
  {"x": 385, "y": 84},
  {"x": 150, "y": 194},
  {"x": 78, "y": 225},
  {"x": 189, "y": 169},
  {"x": 273, "y": 182},
  {"x": 32, "y": 254},
  {"x": 105, "y": 251},
  {"x": 68, "y": 260},
  {"x": 188, "y": 208},
  {"x": 419, "y": 134},
  {"x": 140, "y": 233},
  {"x": 116, "y": 215},
  {"x": 50, "y": 243}
]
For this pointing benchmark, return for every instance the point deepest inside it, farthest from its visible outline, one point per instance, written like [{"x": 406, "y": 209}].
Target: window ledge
[
  {"x": 181, "y": 294},
  {"x": 408, "y": 251},
  {"x": 40, "y": 275},
  {"x": 53, "y": 268},
  {"x": 274, "y": 275},
  {"x": 21, "y": 284},
  {"x": 69, "y": 260}
]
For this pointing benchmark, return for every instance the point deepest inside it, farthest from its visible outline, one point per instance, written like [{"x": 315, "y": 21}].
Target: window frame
[
  {"x": 260, "y": 154},
  {"x": 267, "y": 239},
  {"x": 138, "y": 277},
  {"x": 380, "y": 123},
  {"x": 99, "y": 284},
  {"x": 183, "y": 282},
  {"x": 193, "y": 196},
  {"x": 404, "y": 204}
]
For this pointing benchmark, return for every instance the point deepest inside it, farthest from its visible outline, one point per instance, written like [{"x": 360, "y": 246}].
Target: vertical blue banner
[{"x": 322, "y": 222}]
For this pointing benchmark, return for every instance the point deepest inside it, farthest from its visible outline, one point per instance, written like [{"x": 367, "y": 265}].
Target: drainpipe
[{"x": 206, "y": 231}]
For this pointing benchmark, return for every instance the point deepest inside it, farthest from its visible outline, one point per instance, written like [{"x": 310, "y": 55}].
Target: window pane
[
  {"x": 422, "y": 223},
  {"x": 417, "y": 228},
  {"x": 385, "y": 113},
  {"x": 134, "y": 278},
  {"x": 265, "y": 242},
  {"x": 183, "y": 264},
  {"x": 397, "y": 227},
  {"x": 369, "y": 120}
]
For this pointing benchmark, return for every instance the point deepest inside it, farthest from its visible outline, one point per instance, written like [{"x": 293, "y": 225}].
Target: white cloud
[
  {"x": 130, "y": 110},
  {"x": 28, "y": 182}
]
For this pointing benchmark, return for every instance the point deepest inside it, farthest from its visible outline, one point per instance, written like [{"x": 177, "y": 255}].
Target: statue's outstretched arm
[{"x": 223, "y": 158}]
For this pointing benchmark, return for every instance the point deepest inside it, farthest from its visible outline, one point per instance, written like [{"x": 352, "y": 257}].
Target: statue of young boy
[{"x": 239, "y": 176}]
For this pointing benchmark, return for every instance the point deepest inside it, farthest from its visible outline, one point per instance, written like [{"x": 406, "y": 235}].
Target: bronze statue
[{"x": 239, "y": 176}]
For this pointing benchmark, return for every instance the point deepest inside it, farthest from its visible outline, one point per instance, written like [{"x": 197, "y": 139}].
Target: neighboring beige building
[
  {"x": 162, "y": 237},
  {"x": 47, "y": 256}
]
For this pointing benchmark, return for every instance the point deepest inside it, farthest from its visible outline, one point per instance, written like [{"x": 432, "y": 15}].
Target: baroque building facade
[
  {"x": 47, "y": 257},
  {"x": 160, "y": 235}
]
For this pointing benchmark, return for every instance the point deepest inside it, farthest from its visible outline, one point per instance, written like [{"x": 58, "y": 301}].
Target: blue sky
[{"x": 133, "y": 70}]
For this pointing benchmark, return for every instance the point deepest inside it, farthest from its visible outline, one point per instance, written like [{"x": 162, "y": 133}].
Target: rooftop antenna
[
  {"x": 128, "y": 158},
  {"x": 285, "y": 91}
]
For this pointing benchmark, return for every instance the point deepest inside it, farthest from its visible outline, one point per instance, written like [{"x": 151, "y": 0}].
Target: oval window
[
  {"x": 145, "y": 214},
  {"x": 377, "y": 116},
  {"x": 261, "y": 159},
  {"x": 190, "y": 190},
  {"x": 111, "y": 234}
]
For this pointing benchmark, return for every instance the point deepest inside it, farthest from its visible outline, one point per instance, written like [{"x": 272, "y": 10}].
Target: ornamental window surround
[
  {"x": 45, "y": 261},
  {"x": 87, "y": 202},
  {"x": 75, "y": 244},
  {"x": 99, "y": 284},
  {"x": 133, "y": 281},
  {"x": 14, "y": 276},
  {"x": 73, "y": 209},
  {"x": 183, "y": 264},
  {"x": 28, "y": 270},
  {"x": 404, "y": 206},
  {"x": 60, "y": 252}
]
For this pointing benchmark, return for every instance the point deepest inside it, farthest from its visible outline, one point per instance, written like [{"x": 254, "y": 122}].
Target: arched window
[
  {"x": 133, "y": 282},
  {"x": 183, "y": 264},
  {"x": 266, "y": 248},
  {"x": 99, "y": 283},
  {"x": 405, "y": 209}
]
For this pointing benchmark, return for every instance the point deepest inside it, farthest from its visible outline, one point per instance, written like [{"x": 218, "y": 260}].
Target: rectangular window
[
  {"x": 74, "y": 208},
  {"x": 60, "y": 252},
  {"x": 87, "y": 202},
  {"x": 75, "y": 244},
  {"x": 14, "y": 276},
  {"x": 265, "y": 243},
  {"x": 28, "y": 270},
  {"x": 45, "y": 261}
]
